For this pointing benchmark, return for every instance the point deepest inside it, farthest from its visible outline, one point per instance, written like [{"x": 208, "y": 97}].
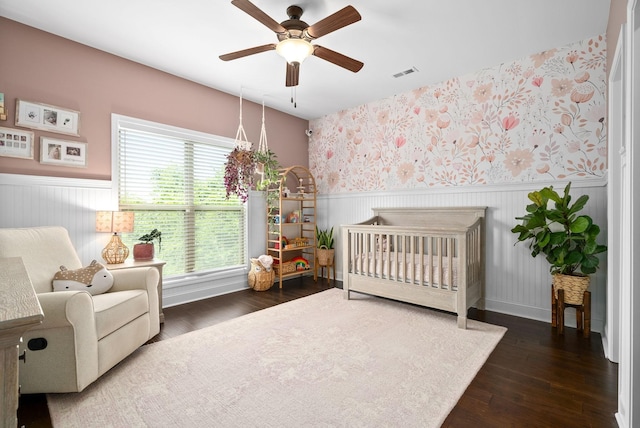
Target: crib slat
[
  {"x": 450, "y": 255},
  {"x": 412, "y": 260},
  {"x": 439, "y": 249},
  {"x": 430, "y": 260},
  {"x": 395, "y": 255},
  {"x": 388, "y": 252},
  {"x": 360, "y": 251},
  {"x": 369, "y": 251},
  {"x": 421, "y": 270}
]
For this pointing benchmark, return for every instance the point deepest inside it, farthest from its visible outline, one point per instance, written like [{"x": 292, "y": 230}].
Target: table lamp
[{"x": 114, "y": 222}]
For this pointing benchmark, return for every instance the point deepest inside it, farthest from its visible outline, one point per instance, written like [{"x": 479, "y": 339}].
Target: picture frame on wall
[
  {"x": 16, "y": 143},
  {"x": 63, "y": 153},
  {"x": 47, "y": 117}
]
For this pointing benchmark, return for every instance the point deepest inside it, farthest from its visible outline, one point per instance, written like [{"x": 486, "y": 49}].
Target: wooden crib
[{"x": 431, "y": 257}]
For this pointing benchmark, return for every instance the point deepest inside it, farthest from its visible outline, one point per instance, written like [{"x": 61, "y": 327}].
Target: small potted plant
[
  {"x": 324, "y": 243},
  {"x": 566, "y": 238},
  {"x": 144, "y": 250}
]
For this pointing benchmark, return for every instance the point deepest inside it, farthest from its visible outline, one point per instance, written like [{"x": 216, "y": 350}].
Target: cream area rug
[{"x": 316, "y": 361}]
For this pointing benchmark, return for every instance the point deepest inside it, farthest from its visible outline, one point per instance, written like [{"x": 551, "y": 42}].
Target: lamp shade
[
  {"x": 114, "y": 221},
  {"x": 294, "y": 50}
]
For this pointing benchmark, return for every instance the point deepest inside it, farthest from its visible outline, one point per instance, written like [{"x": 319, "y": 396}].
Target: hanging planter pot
[{"x": 238, "y": 173}]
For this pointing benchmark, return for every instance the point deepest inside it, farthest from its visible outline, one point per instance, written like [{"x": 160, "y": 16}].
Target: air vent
[{"x": 404, "y": 73}]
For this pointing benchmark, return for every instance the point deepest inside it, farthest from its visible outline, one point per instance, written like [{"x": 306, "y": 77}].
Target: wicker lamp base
[{"x": 115, "y": 251}]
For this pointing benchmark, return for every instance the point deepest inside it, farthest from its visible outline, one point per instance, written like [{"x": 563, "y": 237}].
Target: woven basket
[
  {"x": 325, "y": 256},
  {"x": 287, "y": 267},
  {"x": 259, "y": 278},
  {"x": 574, "y": 287}
]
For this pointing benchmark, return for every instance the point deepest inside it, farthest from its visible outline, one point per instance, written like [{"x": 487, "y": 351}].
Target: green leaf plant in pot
[
  {"x": 568, "y": 240},
  {"x": 324, "y": 243},
  {"x": 144, "y": 250},
  {"x": 268, "y": 167}
]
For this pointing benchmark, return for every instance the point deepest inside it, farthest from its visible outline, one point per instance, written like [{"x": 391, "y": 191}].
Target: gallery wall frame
[
  {"x": 63, "y": 153},
  {"x": 47, "y": 117},
  {"x": 16, "y": 143}
]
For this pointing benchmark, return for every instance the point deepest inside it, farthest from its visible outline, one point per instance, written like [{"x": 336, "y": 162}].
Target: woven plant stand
[
  {"x": 568, "y": 290},
  {"x": 324, "y": 259},
  {"x": 325, "y": 256},
  {"x": 574, "y": 287}
]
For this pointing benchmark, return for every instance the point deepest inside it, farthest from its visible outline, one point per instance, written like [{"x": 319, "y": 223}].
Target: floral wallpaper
[{"x": 538, "y": 118}]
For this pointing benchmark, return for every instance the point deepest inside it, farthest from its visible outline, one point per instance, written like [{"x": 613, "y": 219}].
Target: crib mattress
[{"x": 397, "y": 267}]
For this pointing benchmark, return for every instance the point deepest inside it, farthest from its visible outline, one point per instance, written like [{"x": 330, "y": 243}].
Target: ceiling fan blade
[
  {"x": 247, "y": 52},
  {"x": 331, "y": 23},
  {"x": 337, "y": 58},
  {"x": 293, "y": 74},
  {"x": 259, "y": 15}
]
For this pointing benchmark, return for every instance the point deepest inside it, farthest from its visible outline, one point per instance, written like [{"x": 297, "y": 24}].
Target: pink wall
[{"x": 41, "y": 67}]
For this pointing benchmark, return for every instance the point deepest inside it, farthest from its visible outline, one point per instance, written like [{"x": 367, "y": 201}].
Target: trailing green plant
[
  {"x": 240, "y": 170},
  {"x": 567, "y": 239},
  {"x": 324, "y": 238},
  {"x": 238, "y": 173},
  {"x": 270, "y": 169},
  {"x": 149, "y": 237}
]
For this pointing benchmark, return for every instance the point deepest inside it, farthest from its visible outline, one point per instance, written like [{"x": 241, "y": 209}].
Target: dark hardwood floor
[{"x": 534, "y": 378}]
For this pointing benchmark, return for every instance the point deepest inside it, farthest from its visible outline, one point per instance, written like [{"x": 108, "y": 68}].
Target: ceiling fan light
[{"x": 294, "y": 50}]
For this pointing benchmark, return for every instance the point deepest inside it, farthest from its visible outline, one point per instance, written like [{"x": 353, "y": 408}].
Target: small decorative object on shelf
[{"x": 145, "y": 249}]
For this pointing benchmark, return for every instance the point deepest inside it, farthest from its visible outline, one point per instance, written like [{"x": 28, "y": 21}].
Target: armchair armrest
[
  {"x": 64, "y": 308},
  {"x": 141, "y": 278},
  {"x": 70, "y": 329}
]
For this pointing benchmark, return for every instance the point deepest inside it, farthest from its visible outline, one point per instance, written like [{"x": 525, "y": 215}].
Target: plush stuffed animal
[{"x": 95, "y": 279}]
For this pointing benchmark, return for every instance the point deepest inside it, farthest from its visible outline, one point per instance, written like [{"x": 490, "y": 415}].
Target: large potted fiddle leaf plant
[{"x": 554, "y": 227}]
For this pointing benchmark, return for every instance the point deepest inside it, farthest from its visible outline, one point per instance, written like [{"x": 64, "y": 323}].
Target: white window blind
[{"x": 173, "y": 179}]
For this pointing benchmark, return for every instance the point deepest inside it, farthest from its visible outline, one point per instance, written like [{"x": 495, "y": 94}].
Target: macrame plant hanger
[
  {"x": 242, "y": 143},
  {"x": 263, "y": 146}
]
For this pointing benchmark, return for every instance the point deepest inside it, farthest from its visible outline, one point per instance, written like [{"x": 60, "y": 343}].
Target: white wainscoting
[
  {"x": 29, "y": 201},
  {"x": 516, "y": 283}
]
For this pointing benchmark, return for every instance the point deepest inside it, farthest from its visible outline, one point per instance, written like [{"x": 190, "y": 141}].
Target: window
[{"x": 173, "y": 179}]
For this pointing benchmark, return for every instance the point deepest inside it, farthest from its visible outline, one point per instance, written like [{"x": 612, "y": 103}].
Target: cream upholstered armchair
[{"x": 82, "y": 336}]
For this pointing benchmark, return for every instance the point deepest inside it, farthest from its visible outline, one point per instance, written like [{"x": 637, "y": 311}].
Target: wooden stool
[
  {"x": 583, "y": 312},
  {"x": 329, "y": 267}
]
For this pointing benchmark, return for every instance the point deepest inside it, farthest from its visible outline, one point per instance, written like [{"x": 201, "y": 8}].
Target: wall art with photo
[
  {"x": 47, "y": 117},
  {"x": 63, "y": 153},
  {"x": 16, "y": 143}
]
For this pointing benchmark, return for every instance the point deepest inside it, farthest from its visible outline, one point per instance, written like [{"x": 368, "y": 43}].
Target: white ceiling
[{"x": 440, "y": 38}]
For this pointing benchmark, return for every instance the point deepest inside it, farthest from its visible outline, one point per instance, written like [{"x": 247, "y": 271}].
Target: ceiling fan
[{"x": 295, "y": 37}]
